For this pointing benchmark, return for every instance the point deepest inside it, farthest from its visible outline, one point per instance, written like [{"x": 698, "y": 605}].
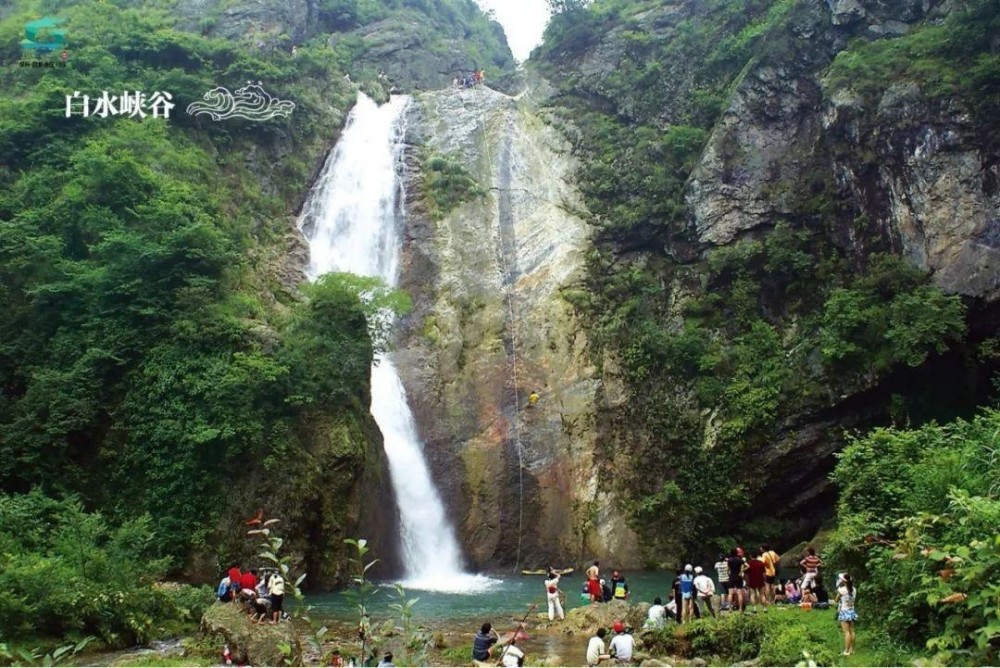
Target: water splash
[{"x": 353, "y": 224}]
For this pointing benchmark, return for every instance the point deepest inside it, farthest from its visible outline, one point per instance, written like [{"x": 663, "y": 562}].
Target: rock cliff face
[{"x": 489, "y": 328}]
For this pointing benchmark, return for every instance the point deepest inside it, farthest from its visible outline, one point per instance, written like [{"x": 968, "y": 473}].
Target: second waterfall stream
[{"x": 353, "y": 220}]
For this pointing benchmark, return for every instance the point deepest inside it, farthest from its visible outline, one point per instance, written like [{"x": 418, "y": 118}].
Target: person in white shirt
[
  {"x": 705, "y": 588},
  {"x": 596, "y": 651},
  {"x": 512, "y": 656},
  {"x": 552, "y": 594},
  {"x": 276, "y": 590},
  {"x": 656, "y": 616},
  {"x": 621, "y": 645}
]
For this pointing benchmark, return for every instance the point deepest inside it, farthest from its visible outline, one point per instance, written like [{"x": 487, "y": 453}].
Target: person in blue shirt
[{"x": 482, "y": 644}]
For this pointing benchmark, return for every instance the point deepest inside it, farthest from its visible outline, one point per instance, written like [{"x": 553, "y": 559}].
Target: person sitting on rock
[
  {"x": 596, "y": 651},
  {"x": 622, "y": 645},
  {"x": 656, "y": 616},
  {"x": 225, "y": 591},
  {"x": 482, "y": 644}
]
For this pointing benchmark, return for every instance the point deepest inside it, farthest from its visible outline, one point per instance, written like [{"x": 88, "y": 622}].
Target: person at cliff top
[
  {"x": 605, "y": 591},
  {"x": 736, "y": 583},
  {"x": 596, "y": 651},
  {"x": 705, "y": 588},
  {"x": 770, "y": 559},
  {"x": 482, "y": 644},
  {"x": 234, "y": 580},
  {"x": 810, "y": 563},
  {"x": 656, "y": 616},
  {"x": 594, "y": 584},
  {"x": 276, "y": 592},
  {"x": 687, "y": 593},
  {"x": 619, "y": 588},
  {"x": 622, "y": 645},
  {"x": 756, "y": 581},
  {"x": 552, "y": 596},
  {"x": 225, "y": 591}
]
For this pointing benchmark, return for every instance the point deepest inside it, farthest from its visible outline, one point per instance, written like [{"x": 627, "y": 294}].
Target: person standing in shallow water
[
  {"x": 552, "y": 596},
  {"x": 594, "y": 583}
]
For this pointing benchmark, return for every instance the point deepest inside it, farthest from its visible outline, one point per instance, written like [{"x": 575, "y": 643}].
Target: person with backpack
[
  {"x": 619, "y": 588},
  {"x": 552, "y": 594}
]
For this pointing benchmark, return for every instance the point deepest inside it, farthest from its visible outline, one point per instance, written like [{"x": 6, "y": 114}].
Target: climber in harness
[
  {"x": 619, "y": 588},
  {"x": 533, "y": 399}
]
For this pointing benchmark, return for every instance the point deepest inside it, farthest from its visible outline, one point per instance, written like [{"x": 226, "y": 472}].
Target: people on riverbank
[
  {"x": 686, "y": 580},
  {"x": 756, "y": 583},
  {"x": 736, "y": 582},
  {"x": 596, "y": 650},
  {"x": 810, "y": 565},
  {"x": 770, "y": 559},
  {"x": 512, "y": 656},
  {"x": 722, "y": 570},
  {"x": 605, "y": 591},
  {"x": 552, "y": 596},
  {"x": 656, "y": 616},
  {"x": 276, "y": 592}
]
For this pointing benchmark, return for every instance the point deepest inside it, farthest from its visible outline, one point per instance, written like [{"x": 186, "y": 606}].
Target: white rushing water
[{"x": 353, "y": 217}]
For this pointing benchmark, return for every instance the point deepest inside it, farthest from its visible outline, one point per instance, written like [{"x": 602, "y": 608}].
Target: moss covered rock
[
  {"x": 587, "y": 619},
  {"x": 253, "y": 644}
]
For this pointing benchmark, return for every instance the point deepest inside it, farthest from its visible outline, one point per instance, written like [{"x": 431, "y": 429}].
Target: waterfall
[{"x": 352, "y": 220}]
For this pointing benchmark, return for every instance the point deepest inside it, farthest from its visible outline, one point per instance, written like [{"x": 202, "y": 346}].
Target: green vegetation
[
  {"x": 151, "y": 361},
  {"x": 918, "y": 522},
  {"x": 67, "y": 573},
  {"x": 952, "y": 59},
  {"x": 445, "y": 185},
  {"x": 782, "y": 637}
]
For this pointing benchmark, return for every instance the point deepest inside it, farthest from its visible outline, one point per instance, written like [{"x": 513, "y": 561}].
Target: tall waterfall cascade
[{"x": 352, "y": 219}]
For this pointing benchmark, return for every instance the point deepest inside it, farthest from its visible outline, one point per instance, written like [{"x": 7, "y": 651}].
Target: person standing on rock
[
  {"x": 552, "y": 594},
  {"x": 687, "y": 593},
  {"x": 594, "y": 583},
  {"x": 596, "y": 652}
]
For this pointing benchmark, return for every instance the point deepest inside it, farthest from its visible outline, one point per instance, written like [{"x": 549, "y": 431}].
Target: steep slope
[
  {"x": 795, "y": 206},
  {"x": 494, "y": 234}
]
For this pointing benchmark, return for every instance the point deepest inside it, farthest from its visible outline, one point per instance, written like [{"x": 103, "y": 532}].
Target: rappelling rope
[{"x": 513, "y": 354}]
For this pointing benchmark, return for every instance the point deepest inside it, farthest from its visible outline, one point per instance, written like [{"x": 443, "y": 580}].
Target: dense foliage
[
  {"x": 70, "y": 573},
  {"x": 919, "y": 526},
  {"x": 721, "y": 349},
  {"x": 151, "y": 354},
  {"x": 445, "y": 185}
]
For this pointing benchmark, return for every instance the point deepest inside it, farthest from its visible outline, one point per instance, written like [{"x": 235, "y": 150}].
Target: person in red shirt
[
  {"x": 248, "y": 584},
  {"x": 756, "y": 581},
  {"x": 235, "y": 579}
]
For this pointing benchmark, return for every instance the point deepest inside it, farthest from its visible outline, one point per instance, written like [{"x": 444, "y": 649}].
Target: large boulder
[
  {"x": 251, "y": 644},
  {"x": 588, "y": 618}
]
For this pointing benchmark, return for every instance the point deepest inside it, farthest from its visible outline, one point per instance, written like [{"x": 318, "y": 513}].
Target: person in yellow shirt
[
  {"x": 533, "y": 398},
  {"x": 770, "y": 559}
]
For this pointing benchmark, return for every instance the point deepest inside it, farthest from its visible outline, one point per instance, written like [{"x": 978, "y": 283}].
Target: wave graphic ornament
[{"x": 251, "y": 102}]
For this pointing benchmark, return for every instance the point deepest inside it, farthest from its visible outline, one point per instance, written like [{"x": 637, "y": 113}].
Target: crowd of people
[
  {"x": 470, "y": 79},
  {"x": 262, "y": 595},
  {"x": 748, "y": 582}
]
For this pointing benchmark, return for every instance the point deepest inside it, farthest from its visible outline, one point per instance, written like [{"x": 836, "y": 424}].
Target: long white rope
[{"x": 513, "y": 352}]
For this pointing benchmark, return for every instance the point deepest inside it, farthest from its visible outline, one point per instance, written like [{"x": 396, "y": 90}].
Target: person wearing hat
[
  {"x": 622, "y": 645},
  {"x": 705, "y": 588},
  {"x": 605, "y": 591},
  {"x": 687, "y": 593},
  {"x": 619, "y": 588}
]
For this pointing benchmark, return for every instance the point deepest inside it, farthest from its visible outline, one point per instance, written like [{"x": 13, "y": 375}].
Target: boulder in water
[
  {"x": 253, "y": 644},
  {"x": 588, "y": 618}
]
